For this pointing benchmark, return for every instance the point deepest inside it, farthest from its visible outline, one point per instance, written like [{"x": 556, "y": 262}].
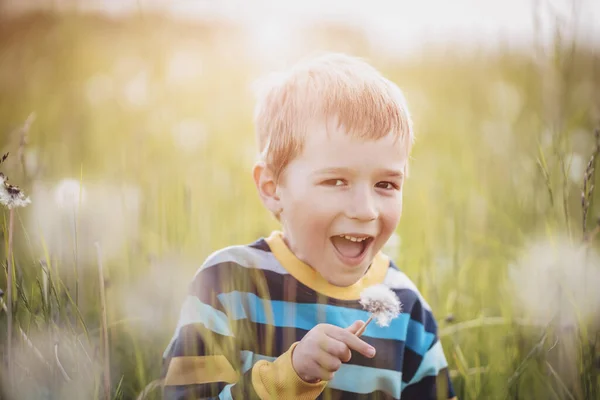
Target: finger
[
  {"x": 352, "y": 341},
  {"x": 355, "y": 327},
  {"x": 321, "y": 373},
  {"x": 336, "y": 348},
  {"x": 328, "y": 362}
]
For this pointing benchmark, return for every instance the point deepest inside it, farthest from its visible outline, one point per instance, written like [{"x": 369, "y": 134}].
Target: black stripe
[
  {"x": 246, "y": 391},
  {"x": 393, "y": 265},
  {"x": 335, "y": 394},
  {"x": 419, "y": 313},
  {"x": 195, "y": 339},
  {"x": 428, "y": 387},
  {"x": 242, "y": 390},
  {"x": 261, "y": 244},
  {"x": 191, "y": 392},
  {"x": 229, "y": 276},
  {"x": 410, "y": 365},
  {"x": 425, "y": 389},
  {"x": 274, "y": 341},
  {"x": 451, "y": 392}
]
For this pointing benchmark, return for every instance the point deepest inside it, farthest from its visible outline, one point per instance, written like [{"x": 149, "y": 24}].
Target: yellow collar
[{"x": 305, "y": 274}]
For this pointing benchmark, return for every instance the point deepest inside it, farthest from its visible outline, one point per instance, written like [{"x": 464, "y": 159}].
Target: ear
[{"x": 264, "y": 180}]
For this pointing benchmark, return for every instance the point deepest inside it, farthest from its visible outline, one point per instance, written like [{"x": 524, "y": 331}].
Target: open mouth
[{"x": 351, "y": 246}]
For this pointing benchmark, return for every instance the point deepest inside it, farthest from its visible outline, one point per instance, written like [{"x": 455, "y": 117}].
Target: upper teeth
[{"x": 354, "y": 239}]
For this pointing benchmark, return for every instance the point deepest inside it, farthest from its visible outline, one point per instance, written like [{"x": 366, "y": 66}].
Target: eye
[
  {"x": 387, "y": 185},
  {"x": 335, "y": 182}
]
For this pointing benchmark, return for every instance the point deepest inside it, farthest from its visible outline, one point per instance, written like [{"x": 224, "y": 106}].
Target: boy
[{"x": 277, "y": 319}]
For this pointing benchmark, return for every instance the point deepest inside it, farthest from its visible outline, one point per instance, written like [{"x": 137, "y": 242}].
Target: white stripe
[
  {"x": 194, "y": 311},
  {"x": 245, "y": 256}
]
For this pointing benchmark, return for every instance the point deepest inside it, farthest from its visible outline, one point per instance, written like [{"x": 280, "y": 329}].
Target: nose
[{"x": 362, "y": 205}]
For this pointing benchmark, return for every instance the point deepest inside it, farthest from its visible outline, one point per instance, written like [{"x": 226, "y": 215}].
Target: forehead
[{"x": 331, "y": 145}]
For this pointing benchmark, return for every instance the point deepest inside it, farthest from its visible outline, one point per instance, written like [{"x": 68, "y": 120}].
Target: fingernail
[{"x": 371, "y": 351}]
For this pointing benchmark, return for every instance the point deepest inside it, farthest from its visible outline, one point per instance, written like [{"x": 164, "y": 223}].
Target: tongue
[{"x": 347, "y": 247}]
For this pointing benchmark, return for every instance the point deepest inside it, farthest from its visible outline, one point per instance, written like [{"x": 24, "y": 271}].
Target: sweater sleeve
[
  {"x": 428, "y": 378},
  {"x": 279, "y": 380},
  {"x": 432, "y": 380},
  {"x": 205, "y": 361}
]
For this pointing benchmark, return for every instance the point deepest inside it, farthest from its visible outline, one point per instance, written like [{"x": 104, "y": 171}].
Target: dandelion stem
[
  {"x": 65, "y": 376},
  {"x": 149, "y": 388},
  {"x": 487, "y": 321},
  {"x": 104, "y": 325},
  {"x": 9, "y": 295},
  {"x": 589, "y": 236},
  {"x": 471, "y": 371},
  {"x": 25, "y": 338},
  {"x": 362, "y": 329}
]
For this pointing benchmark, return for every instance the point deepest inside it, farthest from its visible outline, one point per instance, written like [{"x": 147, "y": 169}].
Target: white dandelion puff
[
  {"x": 382, "y": 303},
  {"x": 69, "y": 194},
  {"x": 83, "y": 214},
  {"x": 556, "y": 282},
  {"x": 11, "y": 196}
]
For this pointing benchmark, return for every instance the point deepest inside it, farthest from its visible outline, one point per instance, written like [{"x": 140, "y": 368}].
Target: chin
[{"x": 348, "y": 278}]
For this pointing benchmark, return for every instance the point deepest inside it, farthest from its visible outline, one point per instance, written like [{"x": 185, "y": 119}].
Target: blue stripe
[
  {"x": 241, "y": 305},
  {"x": 350, "y": 378}
]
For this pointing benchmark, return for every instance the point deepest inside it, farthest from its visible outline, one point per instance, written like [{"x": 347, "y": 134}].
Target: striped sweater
[{"x": 248, "y": 307}]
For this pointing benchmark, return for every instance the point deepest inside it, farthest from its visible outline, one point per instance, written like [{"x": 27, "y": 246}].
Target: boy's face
[{"x": 341, "y": 200}]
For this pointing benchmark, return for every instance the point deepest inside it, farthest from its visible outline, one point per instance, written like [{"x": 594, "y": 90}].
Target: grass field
[{"x": 136, "y": 155}]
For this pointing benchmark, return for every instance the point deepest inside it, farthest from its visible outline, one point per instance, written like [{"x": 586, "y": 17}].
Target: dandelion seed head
[
  {"x": 98, "y": 211},
  {"x": 382, "y": 303},
  {"x": 11, "y": 196},
  {"x": 68, "y": 194},
  {"x": 555, "y": 281}
]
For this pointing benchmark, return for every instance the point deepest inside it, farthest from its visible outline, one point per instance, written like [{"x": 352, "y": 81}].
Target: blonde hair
[{"x": 368, "y": 105}]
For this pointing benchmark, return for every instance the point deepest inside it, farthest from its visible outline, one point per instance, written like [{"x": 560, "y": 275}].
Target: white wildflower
[
  {"x": 11, "y": 196},
  {"x": 69, "y": 194},
  {"x": 190, "y": 134},
  {"x": 557, "y": 282},
  {"x": 382, "y": 303},
  {"x": 78, "y": 215}
]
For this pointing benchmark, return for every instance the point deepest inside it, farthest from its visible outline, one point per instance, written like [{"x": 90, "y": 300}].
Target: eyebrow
[
  {"x": 391, "y": 173},
  {"x": 332, "y": 171}
]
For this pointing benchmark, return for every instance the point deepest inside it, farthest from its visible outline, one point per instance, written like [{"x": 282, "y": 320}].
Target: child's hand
[{"x": 322, "y": 350}]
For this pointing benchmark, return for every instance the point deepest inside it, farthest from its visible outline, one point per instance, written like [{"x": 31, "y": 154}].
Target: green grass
[{"x": 497, "y": 136}]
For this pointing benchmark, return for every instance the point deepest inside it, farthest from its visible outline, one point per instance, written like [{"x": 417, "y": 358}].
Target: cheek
[
  {"x": 307, "y": 217},
  {"x": 392, "y": 212}
]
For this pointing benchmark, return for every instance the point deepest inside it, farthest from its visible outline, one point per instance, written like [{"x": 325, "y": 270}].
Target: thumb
[{"x": 355, "y": 327}]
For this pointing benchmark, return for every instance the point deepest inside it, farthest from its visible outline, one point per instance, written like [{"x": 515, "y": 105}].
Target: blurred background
[{"x": 129, "y": 126}]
